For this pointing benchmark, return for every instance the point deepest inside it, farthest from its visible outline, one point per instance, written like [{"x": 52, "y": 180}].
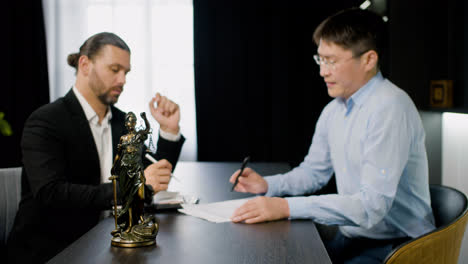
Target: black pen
[{"x": 244, "y": 163}]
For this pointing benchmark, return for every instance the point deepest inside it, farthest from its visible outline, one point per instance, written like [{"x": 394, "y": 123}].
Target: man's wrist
[
  {"x": 286, "y": 209},
  {"x": 149, "y": 192},
  {"x": 172, "y": 130},
  {"x": 170, "y": 135}
]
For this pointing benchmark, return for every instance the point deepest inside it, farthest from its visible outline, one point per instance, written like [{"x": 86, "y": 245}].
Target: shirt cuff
[
  {"x": 301, "y": 207},
  {"x": 169, "y": 136},
  {"x": 273, "y": 188}
]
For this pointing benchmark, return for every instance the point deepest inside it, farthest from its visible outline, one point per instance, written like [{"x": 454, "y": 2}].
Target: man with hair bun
[
  {"x": 370, "y": 136},
  {"x": 68, "y": 148}
]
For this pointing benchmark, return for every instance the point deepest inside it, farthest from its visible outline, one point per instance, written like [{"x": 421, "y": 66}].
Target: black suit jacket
[{"x": 61, "y": 192}]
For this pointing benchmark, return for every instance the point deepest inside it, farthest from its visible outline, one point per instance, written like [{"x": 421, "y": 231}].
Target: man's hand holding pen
[
  {"x": 158, "y": 175},
  {"x": 261, "y": 208},
  {"x": 249, "y": 181}
]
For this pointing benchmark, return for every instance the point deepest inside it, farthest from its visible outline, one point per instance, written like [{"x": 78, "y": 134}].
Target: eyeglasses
[{"x": 330, "y": 63}]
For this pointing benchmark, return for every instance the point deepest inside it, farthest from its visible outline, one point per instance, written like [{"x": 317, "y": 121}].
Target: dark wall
[
  {"x": 427, "y": 43},
  {"x": 258, "y": 90},
  {"x": 432, "y": 122},
  {"x": 461, "y": 55},
  {"x": 24, "y": 79}
]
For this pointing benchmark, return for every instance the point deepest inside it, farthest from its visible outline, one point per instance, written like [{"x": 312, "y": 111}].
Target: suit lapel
[
  {"x": 118, "y": 128},
  {"x": 83, "y": 131}
]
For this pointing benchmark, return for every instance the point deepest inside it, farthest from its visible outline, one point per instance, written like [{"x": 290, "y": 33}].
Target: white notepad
[
  {"x": 165, "y": 197},
  {"x": 218, "y": 212},
  {"x": 172, "y": 200}
]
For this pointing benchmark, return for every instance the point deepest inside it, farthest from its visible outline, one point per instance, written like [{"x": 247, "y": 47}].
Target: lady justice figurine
[{"x": 132, "y": 229}]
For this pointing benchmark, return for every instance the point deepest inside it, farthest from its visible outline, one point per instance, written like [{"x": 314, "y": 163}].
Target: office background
[{"x": 257, "y": 88}]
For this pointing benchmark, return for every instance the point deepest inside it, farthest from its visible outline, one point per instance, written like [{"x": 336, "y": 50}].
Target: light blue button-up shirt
[{"x": 374, "y": 143}]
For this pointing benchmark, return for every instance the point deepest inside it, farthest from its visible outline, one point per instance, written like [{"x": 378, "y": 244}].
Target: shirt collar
[
  {"x": 360, "y": 95},
  {"x": 90, "y": 114}
]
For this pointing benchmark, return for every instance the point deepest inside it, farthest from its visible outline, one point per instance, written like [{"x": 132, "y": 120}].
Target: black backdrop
[
  {"x": 258, "y": 90},
  {"x": 24, "y": 80}
]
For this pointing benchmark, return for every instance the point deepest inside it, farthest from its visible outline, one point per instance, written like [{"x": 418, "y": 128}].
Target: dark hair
[
  {"x": 354, "y": 29},
  {"x": 93, "y": 45}
]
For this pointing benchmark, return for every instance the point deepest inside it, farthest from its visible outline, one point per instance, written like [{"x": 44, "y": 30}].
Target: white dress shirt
[{"x": 102, "y": 134}]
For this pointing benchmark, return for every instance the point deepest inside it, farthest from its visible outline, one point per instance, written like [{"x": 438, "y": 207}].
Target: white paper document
[
  {"x": 165, "y": 197},
  {"x": 218, "y": 212},
  {"x": 172, "y": 200}
]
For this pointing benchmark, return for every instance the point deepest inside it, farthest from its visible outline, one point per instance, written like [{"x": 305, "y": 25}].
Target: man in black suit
[{"x": 68, "y": 148}]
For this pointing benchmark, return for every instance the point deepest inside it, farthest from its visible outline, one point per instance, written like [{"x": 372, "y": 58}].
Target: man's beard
[
  {"x": 97, "y": 85},
  {"x": 107, "y": 99}
]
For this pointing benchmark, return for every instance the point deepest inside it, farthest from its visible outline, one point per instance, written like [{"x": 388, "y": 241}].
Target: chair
[
  {"x": 10, "y": 195},
  {"x": 443, "y": 244}
]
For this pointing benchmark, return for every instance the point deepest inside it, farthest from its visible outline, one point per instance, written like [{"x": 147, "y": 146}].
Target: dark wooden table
[{"x": 186, "y": 239}]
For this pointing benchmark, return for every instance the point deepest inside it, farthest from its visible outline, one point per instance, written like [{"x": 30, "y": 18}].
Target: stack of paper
[
  {"x": 214, "y": 212},
  {"x": 165, "y": 197},
  {"x": 172, "y": 200}
]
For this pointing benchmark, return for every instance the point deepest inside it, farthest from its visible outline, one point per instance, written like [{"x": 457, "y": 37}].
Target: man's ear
[
  {"x": 370, "y": 60},
  {"x": 84, "y": 64}
]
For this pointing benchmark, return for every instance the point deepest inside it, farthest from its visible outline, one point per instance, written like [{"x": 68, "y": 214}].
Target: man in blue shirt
[{"x": 370, "y": 136}]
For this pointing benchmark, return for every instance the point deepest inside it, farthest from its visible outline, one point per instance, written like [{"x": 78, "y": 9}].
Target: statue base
[
  {"x": 118, "y": 242},
  {"x": 140, "y": 235}
]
